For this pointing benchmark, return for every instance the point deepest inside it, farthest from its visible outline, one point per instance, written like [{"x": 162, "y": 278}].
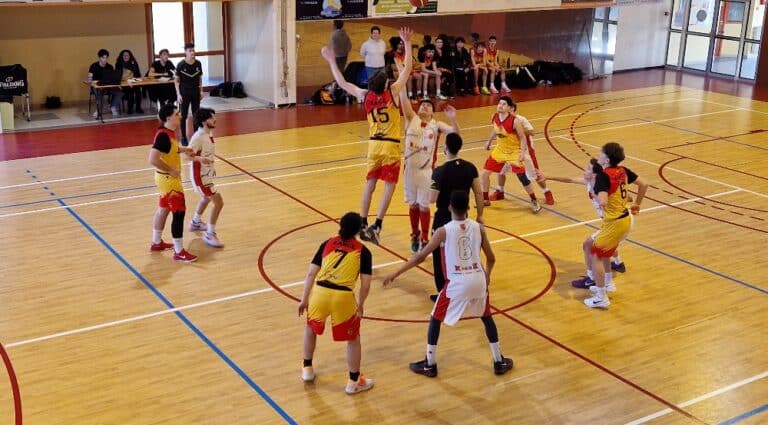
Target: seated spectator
[
  {"x": 480, "y": 68},
  {"x": 398, "y": 62},
  {"x": 162, "y": 68},
  {"x": 462, "y": 67},
  {"x": 130, "y": 69},
  {"x": 494, "y": 67},
  {"x": 96, "y": 73},
  {"x": 429, "y": 69}
]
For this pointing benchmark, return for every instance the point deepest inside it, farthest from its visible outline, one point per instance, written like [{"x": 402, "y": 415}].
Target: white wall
[
  {"x": 641, "y": 39},
  {"x": 257, "y": 57}
]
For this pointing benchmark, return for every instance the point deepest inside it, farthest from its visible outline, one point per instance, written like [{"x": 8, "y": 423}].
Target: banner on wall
[
  {"x": 404, "y": 7},
  {"x": 309, "y": 10},
  {"x": 464, "y": 6}
]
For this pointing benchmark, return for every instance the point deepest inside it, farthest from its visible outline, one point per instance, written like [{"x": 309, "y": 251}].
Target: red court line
[
  {"x": 599, "y": 366},
  {"x": 14, "y": 385},
  {"x": 268, "y": 279},
  {"x": 524, "y": 325},
  {"x": 677, "y": 207},
  {"x": 681, "y": 157}
]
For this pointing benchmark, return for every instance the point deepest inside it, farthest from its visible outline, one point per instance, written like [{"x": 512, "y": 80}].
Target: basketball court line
[
  {"x": 292, "y": 284},
  {"x": 279, "y": 410},
  {"x": 746, "y": 415},
  {"x": 717, "y": 392},
  {"x": 288, "y": 285},
  {"x": 285, "y": 151},
  {"x": 673, "y": 169},
  {"x": 14, "y": 383},
  {"x": 335, "y": 168},
  {"x": 651, "y": 248}
]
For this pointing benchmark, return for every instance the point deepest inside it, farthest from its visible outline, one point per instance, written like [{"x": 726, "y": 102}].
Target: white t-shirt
[{"x": 373, "y": 53}]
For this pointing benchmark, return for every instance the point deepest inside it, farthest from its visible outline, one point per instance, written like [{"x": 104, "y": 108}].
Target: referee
[
  {"x": 189, "y": 73},
  {"x": 454, "y": 174}
]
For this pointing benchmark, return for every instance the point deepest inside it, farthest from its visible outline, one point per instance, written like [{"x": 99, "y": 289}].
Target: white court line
[
  {"x": 43, "y": 182},
  {"x": 263, "y": 290},
  {"x": 674, "y": 169},
  {"x": 162, "y": 312},
  {"x": 692, "y": 401}
]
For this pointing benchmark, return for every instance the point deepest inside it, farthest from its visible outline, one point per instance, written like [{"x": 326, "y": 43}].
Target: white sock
[
  {"x": 410, "y": 94},
  {"x": 431, "y": 355},
  {"x": 178, "y": 245},
  {"x": 196, "y": 218},
  {"x": 601, "y": 293},
  {"x": 546, "y": 189},
  {"x": 617, "y": 259},
  {"x": 590, "y": 275},
  {"x": 608, "y": 278},
  {"x": 157, "y": 236},
  {"x": 437, "y": 92},
  {"x": 211, "y": 228},
  {"x": 495, "y": 351}
]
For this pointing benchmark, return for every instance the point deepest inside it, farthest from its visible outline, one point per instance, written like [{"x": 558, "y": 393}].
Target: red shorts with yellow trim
[
  {"x": 384, "y": 168},
  {"x": 341, "y": 306},
  {"x": 498, "y": 167},
  {"x": 611, "y": 233},
  {"x": 171, "y": 192}
]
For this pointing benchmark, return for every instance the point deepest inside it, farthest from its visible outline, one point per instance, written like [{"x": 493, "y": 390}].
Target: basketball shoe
[
  {"x": 423, "y": 368},
  {"x": 362, "y": 384},
  {"x": 307, "y": 374},
  {"x": 161, "y": 246},
  {"x": 502, "y": 367}
]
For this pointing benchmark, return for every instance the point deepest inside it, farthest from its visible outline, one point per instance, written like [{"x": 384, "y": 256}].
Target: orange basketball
[{"x": 418, "y": 3}]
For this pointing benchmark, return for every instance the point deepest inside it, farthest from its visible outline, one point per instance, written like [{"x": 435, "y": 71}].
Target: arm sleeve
[
  {"x": 602, "y": 183},
  {"x": 92, "y": 69},
  {"x": 631, "y": 176},
  {"x": 318, "y": 258},
  {"x": 366, "y": 262},
  {"x": 162, "y": 143},
  {"x": 473, "y": 171}
]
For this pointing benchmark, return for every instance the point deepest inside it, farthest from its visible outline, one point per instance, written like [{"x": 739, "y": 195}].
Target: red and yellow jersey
[
  {"x": 400, "y": 61},
  {"x": 383, "y": 124},
  {"x": 614, "y": 181},
  {"x": 428, "y": 62},
  {"x": 479, "y": 58},
  {"x": 491, "y": 55},
  {"x": 166, "y": 143},
  {"x": 341, "y": 262},
  {"x": 507, "y": 147}
]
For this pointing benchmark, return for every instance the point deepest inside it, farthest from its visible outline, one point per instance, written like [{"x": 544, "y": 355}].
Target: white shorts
[
  {"x": 417, "y": 186},
  {"x": 462, "y": 299},
  {"x": 205, "y": 186}
]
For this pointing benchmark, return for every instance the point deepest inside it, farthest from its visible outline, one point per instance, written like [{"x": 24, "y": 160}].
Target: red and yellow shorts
[
  {"x": 171, "y": 192},
  {"x": 341, "y": 306},
  {"x": 384, "y": 168},
  {"x": 499, "y": 167},
  {"x": 611, "y": 233}
]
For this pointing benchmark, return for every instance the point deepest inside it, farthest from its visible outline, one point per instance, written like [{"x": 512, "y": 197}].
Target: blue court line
[
  {"x": 129, "y": 189},
  {"x": 656, "y": 250},
  {"x": 746, "y": 415},
  {"x": 168, "y": 303}
]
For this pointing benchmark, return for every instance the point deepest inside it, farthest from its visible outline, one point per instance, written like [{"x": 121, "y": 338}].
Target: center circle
[{"x": 277, "y": 288}]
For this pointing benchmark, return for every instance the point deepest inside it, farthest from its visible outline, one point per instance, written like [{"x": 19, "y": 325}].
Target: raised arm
[
  {"x": 405, "y": 106},
  {"x": 405, "y": 73},
  {"x": 348, "y": 87},
  {"x": 450, "y": 113}
]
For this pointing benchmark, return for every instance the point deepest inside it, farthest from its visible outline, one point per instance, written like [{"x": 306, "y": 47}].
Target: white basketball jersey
[
  {"x": 594, "y": 200},
  {"x": 421, "y": 144},
  {"x": 463, "y": 243},
  {"x": 203, "y": 144}
]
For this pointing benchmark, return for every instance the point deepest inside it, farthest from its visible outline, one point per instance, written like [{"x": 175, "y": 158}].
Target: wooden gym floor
[{"x": 97, "y": 330}]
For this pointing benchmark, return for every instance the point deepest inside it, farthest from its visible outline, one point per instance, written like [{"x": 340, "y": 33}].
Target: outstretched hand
[
  {"x": 389, "y": 279},
  {"x": 450, "y": 112},
  {"x": 405, "y": 33}
]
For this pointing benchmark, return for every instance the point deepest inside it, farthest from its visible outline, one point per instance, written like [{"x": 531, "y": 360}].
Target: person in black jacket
[
  {"x": 462, "y": 64},
  {"x": 162, "y": 68},
  {"x": 130, "y": 69}
]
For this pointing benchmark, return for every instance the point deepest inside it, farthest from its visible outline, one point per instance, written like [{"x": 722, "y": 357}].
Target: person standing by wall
[
  {"x": 373, "y": 51},
  {"x": 341, "y": 44},
  {"x": 188, "y": 80}
]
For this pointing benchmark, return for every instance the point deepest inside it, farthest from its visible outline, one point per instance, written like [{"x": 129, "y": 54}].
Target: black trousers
[
  {"x": 442, "y": 217},
  {"x": 463, "y": 80},
  {"x": 188, "y": 98}
]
